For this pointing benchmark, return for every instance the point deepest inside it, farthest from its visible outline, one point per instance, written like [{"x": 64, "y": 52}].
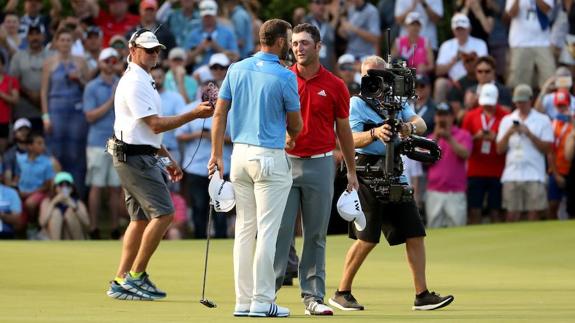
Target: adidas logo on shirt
[{"x": 322, "y": 93}]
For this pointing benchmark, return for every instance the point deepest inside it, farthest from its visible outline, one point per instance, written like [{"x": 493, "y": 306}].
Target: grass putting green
[{"x": 522, "y": 272}]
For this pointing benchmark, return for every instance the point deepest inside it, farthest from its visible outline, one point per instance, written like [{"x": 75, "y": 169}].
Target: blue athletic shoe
[
  {"x": 116, "y": 291},
  {"x": 142, "y": 286}
]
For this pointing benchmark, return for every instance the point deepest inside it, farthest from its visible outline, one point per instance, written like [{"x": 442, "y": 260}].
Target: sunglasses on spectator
[
  {"x": 218, "y": 67},
  {"x": 65, "y": 183},
  {"x": 118, "y": 45},
  {"x": 150, "y": 51},
  {"x": 111, "y": 61},
  {"x": 483, "y": 71},
  {"x": 347, "y": 67}
]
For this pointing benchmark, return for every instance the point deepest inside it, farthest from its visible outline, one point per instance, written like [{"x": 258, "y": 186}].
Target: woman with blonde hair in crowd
[{"x": 63, "y": 216}]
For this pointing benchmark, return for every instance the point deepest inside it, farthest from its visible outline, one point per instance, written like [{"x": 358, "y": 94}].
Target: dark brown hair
[
  {"x": 273, "y": 29},
  {"x": 310, "y": 29},
  {"x": 487, "y": 60}
]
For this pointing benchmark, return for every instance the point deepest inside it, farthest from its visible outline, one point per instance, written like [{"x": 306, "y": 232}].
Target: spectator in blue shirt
[
  {"x": 98, "y": 107},
  {"x": 10, "y": 211},
  {"x": 35, "y": 173},
  {"x": 243, "y": 27},
  {"x": 209, "y": 37}
]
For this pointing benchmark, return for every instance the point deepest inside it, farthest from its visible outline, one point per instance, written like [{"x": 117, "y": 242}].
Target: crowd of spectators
[{"x": 496, "y": 94}]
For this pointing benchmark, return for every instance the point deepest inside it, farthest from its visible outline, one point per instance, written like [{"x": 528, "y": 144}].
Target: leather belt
[{"x": 329, "y": 153}]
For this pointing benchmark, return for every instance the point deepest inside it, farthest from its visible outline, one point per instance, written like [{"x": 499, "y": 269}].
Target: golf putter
[{"x": 206, "y": 302}]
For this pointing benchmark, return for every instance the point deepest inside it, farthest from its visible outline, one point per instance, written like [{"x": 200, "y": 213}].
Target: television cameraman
[{"x": 399, "y": 221}]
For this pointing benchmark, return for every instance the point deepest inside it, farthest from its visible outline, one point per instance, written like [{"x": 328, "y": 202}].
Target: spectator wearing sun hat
[
  {"x": 98, "y": 105},
  {"x": 525, "y": 136},
  {"x": 210, "y": 37}
]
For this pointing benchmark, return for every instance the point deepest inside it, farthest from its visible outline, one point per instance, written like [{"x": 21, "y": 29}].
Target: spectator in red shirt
[
  {"x": 9, "y": 94},
  {"x": 117, "y": 21},
  {"x": 485, "y": 165}
]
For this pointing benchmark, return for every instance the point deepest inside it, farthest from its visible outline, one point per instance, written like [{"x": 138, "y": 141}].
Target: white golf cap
[
  {"x": 107, "y": 53},
  {"x": 488, "y": 95},
  {"x": 346, "y": 59},
  {"x": 412, "y": 17},
  {"x": 460, "y": 20},
  {"x": 21, "y": 123},
  {"x": 222, "y": 193},
  {"x": 219, "y": 59},
  {"x": 177, "y": 52},
  {"x": 349, "y": 208},
  {"x": 147, "y": 39},
  {"x": 208, "y": 8}
]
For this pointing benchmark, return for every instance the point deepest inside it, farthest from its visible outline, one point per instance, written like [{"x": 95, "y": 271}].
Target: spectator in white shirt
[
  {"x": 454, "y": 52},
  {"x": 529, "y": 41},
  {"x": 526, "y": 136}
]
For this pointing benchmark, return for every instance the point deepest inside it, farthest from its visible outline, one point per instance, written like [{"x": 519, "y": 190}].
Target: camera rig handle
[{"x": 421, "y": 149}]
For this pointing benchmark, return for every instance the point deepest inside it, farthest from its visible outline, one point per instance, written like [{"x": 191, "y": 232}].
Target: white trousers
[{"x": 260, "y": 201}]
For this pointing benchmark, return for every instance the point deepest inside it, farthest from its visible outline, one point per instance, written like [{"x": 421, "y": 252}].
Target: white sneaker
[
  {"x": 258, "y": 309},
  {"x": 318, "y": 308},
  {"x": 242, "y": 310}
]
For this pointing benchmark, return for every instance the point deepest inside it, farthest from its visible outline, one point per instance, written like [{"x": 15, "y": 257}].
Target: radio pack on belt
[{"x": 117, "y": 148}]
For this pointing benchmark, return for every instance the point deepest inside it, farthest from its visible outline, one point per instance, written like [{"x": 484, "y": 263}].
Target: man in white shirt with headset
[{"x": 144, "y": 166}]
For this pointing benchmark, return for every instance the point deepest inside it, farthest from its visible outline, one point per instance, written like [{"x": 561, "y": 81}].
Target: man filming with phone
[{"x": 399, "y": 221}]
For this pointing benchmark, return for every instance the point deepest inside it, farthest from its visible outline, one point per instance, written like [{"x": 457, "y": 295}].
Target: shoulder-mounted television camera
[
  {"x": 392, "y": 87},
  {"x": 387, "y": 92}
]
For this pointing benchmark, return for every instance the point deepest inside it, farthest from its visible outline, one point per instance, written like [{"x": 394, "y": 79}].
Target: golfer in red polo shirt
[{"x": 324, "y": 102}]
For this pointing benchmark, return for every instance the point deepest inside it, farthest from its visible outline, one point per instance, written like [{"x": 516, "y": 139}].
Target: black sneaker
[
  {"x": 431, "y": 301},
  {"x": 345, "y": 301}
]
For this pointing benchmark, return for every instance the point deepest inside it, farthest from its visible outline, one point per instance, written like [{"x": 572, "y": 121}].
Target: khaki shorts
[
  {"x": 100, "y": 172},
  {"x": 445, "y": 209},
  {"x": 524, "y": 196}
]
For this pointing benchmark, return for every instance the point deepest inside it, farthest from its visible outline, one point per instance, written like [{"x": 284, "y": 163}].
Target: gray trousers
[{"x": 312, "y": 190}]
